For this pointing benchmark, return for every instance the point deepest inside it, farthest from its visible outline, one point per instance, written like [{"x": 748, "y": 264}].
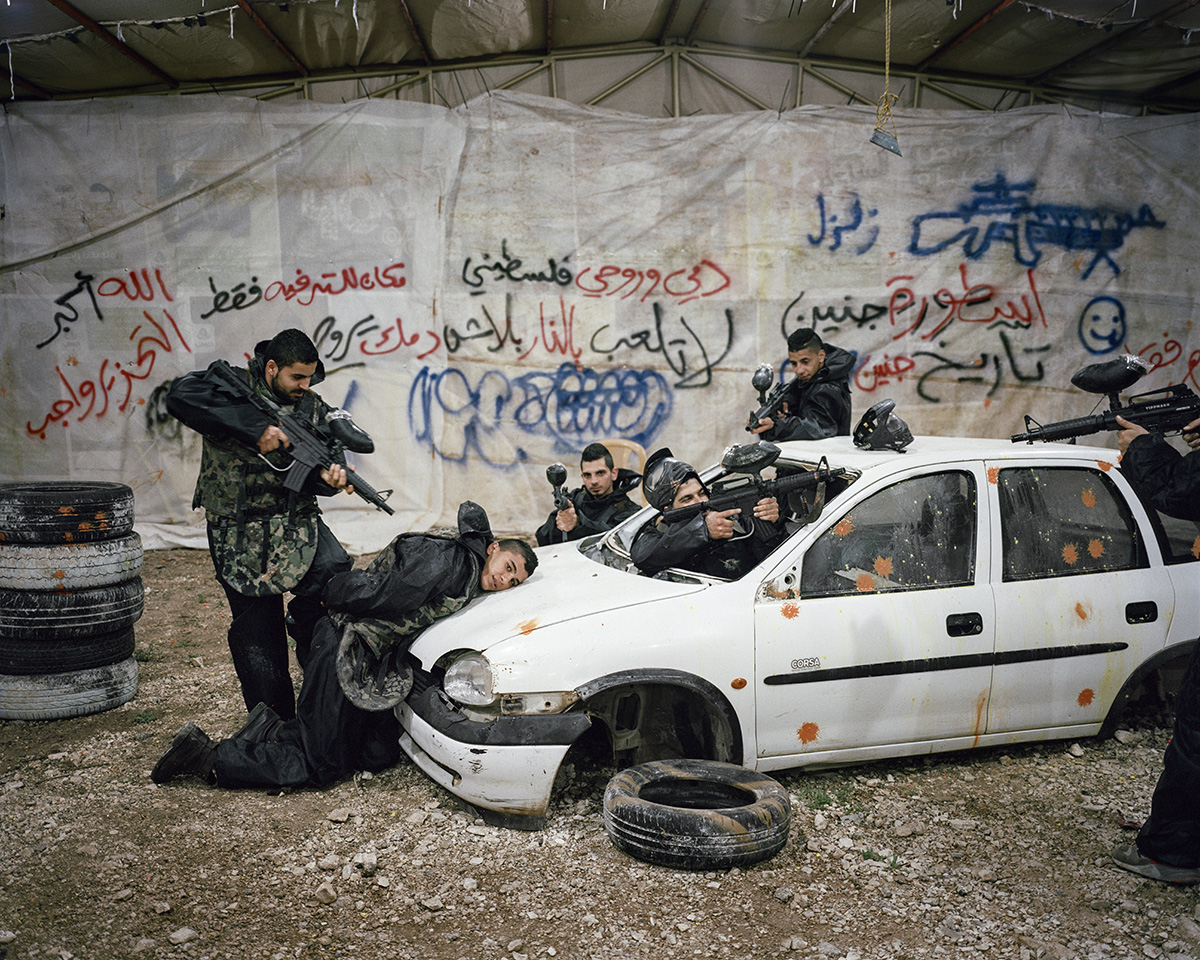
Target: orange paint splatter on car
[
  {"x": 739, "y": 683},
  {"x": 1070, "y": 554},
  {"x": 527, "y": 627},
  {"x": 790, "y": 611},
  {"x": 1088, "y": 497},
  {"x": 1081, "y": 611},
  {"x": 865, "y": 583},
  {"x": 883, "y": 566},
  {"x": 1095, "y": 549},
  {"x": 1196, "y": 547},
  {"x": 844, "y": 527},
  {"x": 993, "y": 475},
  {"x": 980, "y": 703},
  {"x": 1086, "y": 697},
  {"x": 808, "y": 733},
  {"x": 1104, "y": 465}
]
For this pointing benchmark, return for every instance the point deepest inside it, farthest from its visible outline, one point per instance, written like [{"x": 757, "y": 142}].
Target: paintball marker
[
  {"x": 1159, "y": 411},
  {"x": 556, "y": 473},
  {"x": 312, "y": 448},
  {"x": 768, "y": 403},
  {"x": 746, "y": 486}
]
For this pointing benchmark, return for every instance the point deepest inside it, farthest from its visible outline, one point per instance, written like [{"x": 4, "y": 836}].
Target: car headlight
[{"x": 469, "y": 680}]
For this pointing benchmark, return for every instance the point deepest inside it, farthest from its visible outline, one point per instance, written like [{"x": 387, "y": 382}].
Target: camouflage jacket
[
  {"x": 264, "y": 536},
  {"x": 416, "y": 579}
]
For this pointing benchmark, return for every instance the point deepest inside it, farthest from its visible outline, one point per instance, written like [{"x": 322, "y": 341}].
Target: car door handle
[
  {"x": 964, "y": 624},
  {"x": 1144, "y": 612}
]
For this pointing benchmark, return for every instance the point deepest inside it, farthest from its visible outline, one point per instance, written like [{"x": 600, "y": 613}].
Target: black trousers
[
  {"x": 258, "y": 633},
  {"x": 327, "y": 740},
  {"x": 1171, "y": 834}
]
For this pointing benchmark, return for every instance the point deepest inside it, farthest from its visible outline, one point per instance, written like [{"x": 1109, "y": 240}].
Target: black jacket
[
  {"x": 659, "y": 545},
  {"x": 819, "y": 407},
  {"x": 595, "y": 514},
  {"x": 1164, "y": 476}
]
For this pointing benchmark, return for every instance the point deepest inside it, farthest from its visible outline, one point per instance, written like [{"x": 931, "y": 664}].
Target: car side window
[
  {"x": 1063, "y": 521},
  {"x": 917, "y": 534}
]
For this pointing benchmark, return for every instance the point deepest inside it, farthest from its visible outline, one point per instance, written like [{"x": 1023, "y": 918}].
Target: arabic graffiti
[
  {"x": 1102, "y": 325},
  {"x": 304, "y": 288},
  {"x": 947, "y": 369},
  {"x": 869, "y": 377},
  {"x": 835, "y": 226},
  {"x": 699, "y": 280},
  {"x": 69, "y": 314},
  {"x": 1001, "y": 212},
  {"x": 83, "y": 396},
  {"x": 571, "y": 405},
  {"x": 694, "y": 369}
]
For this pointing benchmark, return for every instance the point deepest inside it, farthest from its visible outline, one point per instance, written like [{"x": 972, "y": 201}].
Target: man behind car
[
  {"x": 819, "y": 397},
  {"x": 714, "y": 542},
  {"x": 1168, "y": 844},
  {"x": 357, "y": 661},
  {"x": 599, "y": 505}
]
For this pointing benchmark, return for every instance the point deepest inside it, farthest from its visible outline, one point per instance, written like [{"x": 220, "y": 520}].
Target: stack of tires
[{"x": 70, "y": 592}]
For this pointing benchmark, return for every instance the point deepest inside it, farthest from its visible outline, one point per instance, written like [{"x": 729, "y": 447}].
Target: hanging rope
[{"x": 886, "y": 138}]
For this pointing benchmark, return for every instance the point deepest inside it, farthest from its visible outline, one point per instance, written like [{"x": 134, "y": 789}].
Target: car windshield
[{"x": 797, "y": 509}]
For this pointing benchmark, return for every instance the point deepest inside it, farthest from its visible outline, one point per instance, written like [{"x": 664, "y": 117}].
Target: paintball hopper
[
  {"x": 749, "y": 457},
  {"x": 1111, "y": 376},
  {"x": 348, "y": 433},
  {"x": 762, "y": 380},
  {"x": 881, "y": 429}
]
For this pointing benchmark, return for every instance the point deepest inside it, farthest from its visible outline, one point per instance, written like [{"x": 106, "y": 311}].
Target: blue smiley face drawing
[{"x": 1102, "y": 325}]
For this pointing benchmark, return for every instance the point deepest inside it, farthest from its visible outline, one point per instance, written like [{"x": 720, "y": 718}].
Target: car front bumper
[{"x": 504, "y": 767}]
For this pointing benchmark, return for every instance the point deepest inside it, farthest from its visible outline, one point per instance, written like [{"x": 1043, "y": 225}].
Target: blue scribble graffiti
[
  {"x": 853, "y": 219},
  {"x": 1102, "y": 325},
  {"x": 1002, "y": 213},
  {"x": 572, "y": 406}
]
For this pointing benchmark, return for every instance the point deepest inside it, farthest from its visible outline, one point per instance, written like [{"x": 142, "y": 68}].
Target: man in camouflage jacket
[{"x": 265, "y": 540}]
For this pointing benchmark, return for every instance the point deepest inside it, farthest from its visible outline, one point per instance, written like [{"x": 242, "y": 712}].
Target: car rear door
[
  {"x": 1078, "y": 603},
  {"x": 880, "y": 627}
]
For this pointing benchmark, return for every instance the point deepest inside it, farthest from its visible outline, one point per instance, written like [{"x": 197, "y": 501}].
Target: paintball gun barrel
[
  {"x": 746, "y": 486},
  {"x": 556, "y": 473},
  {"x": 1160, "y": 411},
  {"x": 768, "y": 403},
  {"x": 311, "y": 448}
]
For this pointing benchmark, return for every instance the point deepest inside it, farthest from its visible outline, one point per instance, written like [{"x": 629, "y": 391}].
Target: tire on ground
[
  {"x": 64, "y": 511},
  {"x": 54, "y": 696},
  {"x": 70, "y": 566},
  {"x": 696, "y": 814},
  {"x": 28, "y": 657},
  {"x": 62, "y": 614}
]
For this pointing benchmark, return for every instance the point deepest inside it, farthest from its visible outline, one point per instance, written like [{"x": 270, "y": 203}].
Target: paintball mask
[
  {"x": 881, "y": 429},
  {"x": 663, "y": 476}
]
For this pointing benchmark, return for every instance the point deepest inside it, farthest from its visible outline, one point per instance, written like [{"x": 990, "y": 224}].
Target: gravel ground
[{"x": 990, "y": 853}]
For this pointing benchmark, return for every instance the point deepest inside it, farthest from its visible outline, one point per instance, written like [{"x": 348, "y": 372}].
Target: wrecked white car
[{"x": 959, "y": 594}]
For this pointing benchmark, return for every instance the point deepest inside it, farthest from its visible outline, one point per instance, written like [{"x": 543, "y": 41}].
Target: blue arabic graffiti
[
  {"x": 834, "y": 227},
  {"x": 1002, "y": 212},
  {"x": 572, "y": 406}
]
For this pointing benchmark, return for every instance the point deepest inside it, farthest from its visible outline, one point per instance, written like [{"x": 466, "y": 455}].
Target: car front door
[
  {"x": 1078, "y": 604},
  {"x": 879, "y": 628}
]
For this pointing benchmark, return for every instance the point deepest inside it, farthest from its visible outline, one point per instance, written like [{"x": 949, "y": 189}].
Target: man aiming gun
[
  {"x": 265, "y": 539},
  {"x": 598, "y": 505},
  {"x": 720, "y": 543}
]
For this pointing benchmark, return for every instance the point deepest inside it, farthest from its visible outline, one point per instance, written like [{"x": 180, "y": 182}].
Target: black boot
[
  {"x": 262, "y": 726},
  {"x": 191, "y": 753}
]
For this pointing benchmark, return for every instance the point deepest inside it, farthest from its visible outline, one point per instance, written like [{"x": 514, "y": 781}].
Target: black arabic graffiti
[
  {"x": 674, "y": 349},
  {"x": 508, "y": 267},
  {"x": 62, "y": 319},
  {"x": 972, "y": 371}
]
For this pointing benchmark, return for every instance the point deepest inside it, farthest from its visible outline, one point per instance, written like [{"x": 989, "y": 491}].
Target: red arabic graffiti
[
  {"x": 559, "y": 341},
  {"x": 702, "y": 280},
  {"x": 334, "y": 283},
  {"x": 83, "y": 396},
  {"x": 976, "y": 303},
  {"x": 139, "y": 286},
  {"x": 870, "y": 376}
]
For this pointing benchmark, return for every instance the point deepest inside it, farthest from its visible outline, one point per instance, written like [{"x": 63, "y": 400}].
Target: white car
[{"x": 962, "y": 593}]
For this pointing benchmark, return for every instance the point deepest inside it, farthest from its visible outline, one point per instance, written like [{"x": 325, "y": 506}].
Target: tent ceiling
[{"x": 656, "y": 57}]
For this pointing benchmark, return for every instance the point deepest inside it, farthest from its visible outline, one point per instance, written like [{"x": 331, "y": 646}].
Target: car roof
[{"x": 841, "y": 452}]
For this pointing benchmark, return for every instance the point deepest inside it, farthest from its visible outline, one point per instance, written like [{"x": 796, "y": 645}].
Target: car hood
[{"x": 565, "y": 587}]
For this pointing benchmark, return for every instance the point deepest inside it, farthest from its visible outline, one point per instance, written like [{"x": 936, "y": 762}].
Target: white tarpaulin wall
[{"x": 494, "y": 287}]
